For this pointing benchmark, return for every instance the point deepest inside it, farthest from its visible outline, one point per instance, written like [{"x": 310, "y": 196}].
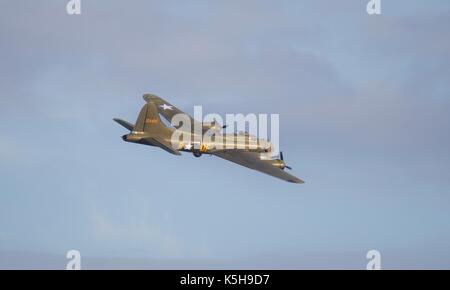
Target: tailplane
[{"x": 124, "y": 123}]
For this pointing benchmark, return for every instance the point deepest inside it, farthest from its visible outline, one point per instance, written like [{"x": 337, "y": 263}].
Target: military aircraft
[{"x": 248, "y": 150}]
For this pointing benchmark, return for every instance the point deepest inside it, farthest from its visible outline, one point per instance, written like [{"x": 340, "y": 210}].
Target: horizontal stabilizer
[
  {"x": 124, "y": 123},
  {"x": 161, "y": 143}
]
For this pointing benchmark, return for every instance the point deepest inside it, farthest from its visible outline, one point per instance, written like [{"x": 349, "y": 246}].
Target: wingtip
[
  {"x": 149, "y": 96},
  {"x": 297, "y": 180}
]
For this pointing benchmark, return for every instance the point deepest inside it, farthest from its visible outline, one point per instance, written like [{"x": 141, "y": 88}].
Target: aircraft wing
[
  {"x": 166, "y": 109},
  {"x": 252, "y": 160}
]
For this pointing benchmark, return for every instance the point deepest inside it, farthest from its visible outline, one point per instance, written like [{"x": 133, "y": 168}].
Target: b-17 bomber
[{"x": 196, "y": 137}]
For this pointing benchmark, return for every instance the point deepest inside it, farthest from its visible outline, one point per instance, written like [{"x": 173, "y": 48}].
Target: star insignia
[{"x": 166, "y": 107}]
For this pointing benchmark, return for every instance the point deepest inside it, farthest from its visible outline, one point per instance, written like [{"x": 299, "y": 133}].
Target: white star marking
[
  {"x": 166, "y": 107},
  {"x": 188, "y": 146}
]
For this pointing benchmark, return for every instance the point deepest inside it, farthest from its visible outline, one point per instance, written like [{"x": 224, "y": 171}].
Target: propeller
[
  {"x": 214, "y": 123},
  {"x": 282, "y": 159}
]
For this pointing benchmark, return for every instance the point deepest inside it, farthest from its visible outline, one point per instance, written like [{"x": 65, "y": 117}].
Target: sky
[{"x": 364, "y": 104}]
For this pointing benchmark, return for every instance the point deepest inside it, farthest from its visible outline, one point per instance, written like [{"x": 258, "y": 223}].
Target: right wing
[
  {"x": 168, "y": 111},
  {"x": 253, "y": 161}
]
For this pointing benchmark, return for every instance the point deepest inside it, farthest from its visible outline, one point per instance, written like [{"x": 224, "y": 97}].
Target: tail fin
[{"x": 148, "y": 119}]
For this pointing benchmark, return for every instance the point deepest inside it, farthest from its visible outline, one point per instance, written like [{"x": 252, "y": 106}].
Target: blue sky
[{"x": 364, "y": 116}]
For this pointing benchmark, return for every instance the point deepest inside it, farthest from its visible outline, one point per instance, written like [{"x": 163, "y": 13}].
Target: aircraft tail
[
  {"x": 148, "y": 119},
  {"x": 124, "y": 123}
]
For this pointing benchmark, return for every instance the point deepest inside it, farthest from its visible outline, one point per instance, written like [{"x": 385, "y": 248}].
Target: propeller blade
[{"x": 282, "y": 159}]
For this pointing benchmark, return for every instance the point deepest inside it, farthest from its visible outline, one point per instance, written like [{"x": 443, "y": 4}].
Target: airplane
[{"x": 150, "y": 130}]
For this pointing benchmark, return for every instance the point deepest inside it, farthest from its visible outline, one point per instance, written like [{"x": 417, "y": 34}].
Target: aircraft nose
[{"x": 124, "y": 137}]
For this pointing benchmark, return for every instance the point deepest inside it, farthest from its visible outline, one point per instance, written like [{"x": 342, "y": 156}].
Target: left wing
[{"x": 252, "y": 160}]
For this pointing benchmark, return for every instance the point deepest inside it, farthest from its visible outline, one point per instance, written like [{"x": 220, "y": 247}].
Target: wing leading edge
[{"x": 252, "y": 160}]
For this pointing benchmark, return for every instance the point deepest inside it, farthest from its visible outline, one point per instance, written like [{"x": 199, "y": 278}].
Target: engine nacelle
[{"x": 279, "y": 163}]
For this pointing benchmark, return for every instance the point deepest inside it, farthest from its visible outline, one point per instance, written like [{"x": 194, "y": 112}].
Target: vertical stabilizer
[{"x": 148, "y": 119}]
